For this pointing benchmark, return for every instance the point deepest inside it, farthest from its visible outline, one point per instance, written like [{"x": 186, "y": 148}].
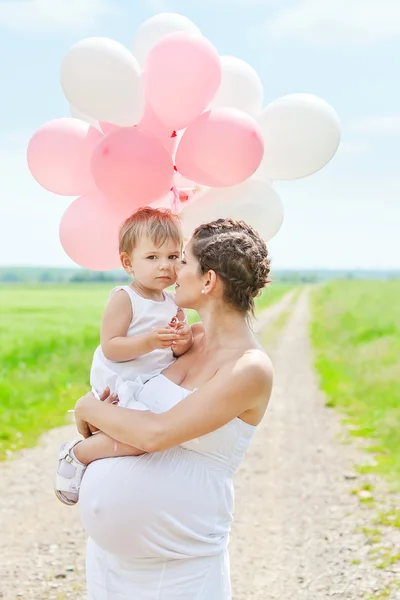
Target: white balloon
[
  {"x": 102, "y": 79},
  {"x": 152, "y": 30},
  {"x": 240, "y": 87},
  {"x": 252, "y": 201},
  {"x": 77, "y": 114},
  {"x": 301, "y": 135}
]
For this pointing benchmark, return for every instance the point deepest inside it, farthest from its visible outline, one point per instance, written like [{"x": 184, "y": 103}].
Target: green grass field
[
  {"x": 356, "y": 336},
  {"x": 273, "y": 293},
  {"x": 48, "y": 335}
]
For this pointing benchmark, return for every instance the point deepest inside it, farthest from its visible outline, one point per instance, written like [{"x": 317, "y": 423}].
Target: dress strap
[{"x": 128, "y": 290}]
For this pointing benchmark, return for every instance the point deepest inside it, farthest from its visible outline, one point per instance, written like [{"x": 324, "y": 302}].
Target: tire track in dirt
[{"x": 294, "y": 535}]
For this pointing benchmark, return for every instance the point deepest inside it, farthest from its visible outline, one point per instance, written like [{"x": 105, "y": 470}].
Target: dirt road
[{"x": 295, "y": 533}]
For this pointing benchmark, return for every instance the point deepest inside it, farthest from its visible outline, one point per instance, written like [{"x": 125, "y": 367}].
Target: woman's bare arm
[{"x": 234, "y": 390}]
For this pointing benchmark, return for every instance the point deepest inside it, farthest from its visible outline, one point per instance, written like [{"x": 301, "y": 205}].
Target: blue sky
[{"x": 346, "y": 216}]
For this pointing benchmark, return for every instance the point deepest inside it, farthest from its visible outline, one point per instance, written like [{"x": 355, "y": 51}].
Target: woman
[{"x": 159, "y": 522}]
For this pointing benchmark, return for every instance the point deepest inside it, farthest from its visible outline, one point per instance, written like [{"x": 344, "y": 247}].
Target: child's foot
[{"x": 69, "y": 474}]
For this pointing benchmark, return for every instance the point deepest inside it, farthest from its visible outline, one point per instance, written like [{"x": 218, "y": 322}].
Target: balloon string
[{"x": 175, "y": 202}]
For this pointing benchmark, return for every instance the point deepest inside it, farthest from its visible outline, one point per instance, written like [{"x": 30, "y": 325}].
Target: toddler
[{"x": 142, "y": 332}]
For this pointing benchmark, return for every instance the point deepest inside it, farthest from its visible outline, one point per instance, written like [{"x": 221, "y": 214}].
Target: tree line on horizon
[{"x": 54, "y": 275}]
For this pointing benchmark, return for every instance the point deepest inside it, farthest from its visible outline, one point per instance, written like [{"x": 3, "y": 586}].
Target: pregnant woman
[{"x": 159, "y": 522}]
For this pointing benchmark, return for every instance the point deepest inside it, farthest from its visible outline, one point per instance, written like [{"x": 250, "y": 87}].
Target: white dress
[
  {"x": 159, "y": 523},
  {"x": 146, "y": 315}
]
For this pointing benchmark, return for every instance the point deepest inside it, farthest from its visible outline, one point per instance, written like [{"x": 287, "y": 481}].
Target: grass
[
  {"x": 271, "y": 334},
  {"x": 48, "y": 335},
  {"x": 356, "y": 336},
  {"x": 47, "y": 341},
  {"x": 271, "y": 294}
]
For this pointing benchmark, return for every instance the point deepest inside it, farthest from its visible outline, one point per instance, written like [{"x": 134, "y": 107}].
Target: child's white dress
[{"x": 146, "y": 315}]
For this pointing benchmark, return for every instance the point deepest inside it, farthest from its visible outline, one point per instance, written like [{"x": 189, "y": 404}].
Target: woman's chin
[
  {"x": 181, "y": 300},
  {"x": 179, "y": 297}
]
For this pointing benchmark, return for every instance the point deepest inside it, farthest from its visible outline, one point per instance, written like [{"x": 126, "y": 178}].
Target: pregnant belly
[{"x": 172, "y": 504}]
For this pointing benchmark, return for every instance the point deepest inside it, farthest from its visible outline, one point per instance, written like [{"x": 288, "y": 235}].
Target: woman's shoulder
[
  {"x": 252, "y": 362},
  {"x": 255, "y": 362}
]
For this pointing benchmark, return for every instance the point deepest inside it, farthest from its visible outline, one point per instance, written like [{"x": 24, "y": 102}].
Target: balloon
[
  {"x": 254, "y": 202},
  {"x": 89, "y": 232},
  {"x": 102, "y": 79},
  {"x": 221, "y": 147},
  {"x": 77, "y": 114},
  {"x": 184, "y": 188},
  {"x": 182, "y": 182},
  {"x": 108, "y": 127},
  {"x": 301, "y": 135},
  {"x": 181, "y": 76},
  {"x": 152, "y": 30},
  {"x": 132, "y": 167},
  {"x": 164, "y": 202},
  {"x": 152, "y": 124},
  {"x": 240, "y": 87},
  {"x": 59, "y": 156}
]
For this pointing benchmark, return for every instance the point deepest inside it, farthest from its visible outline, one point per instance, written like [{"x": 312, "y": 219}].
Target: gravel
[{"x": 297, "y": 532}]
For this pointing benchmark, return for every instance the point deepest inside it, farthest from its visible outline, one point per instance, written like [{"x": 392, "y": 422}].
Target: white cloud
[
  {"x": 39, "y": 14},
  {"x": 180, "y": 5},
  {"x": 346, "y": 223},
  {"x": 157, "y": 6},
  {"x": 377, "y": 125},
  {"x": 28, "y": 213},
  {"x": 338, "y": 21},
  {"x": 353, "y": 147}
]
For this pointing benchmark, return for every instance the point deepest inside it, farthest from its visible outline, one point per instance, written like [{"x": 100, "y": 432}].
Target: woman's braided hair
[{"x": 238, "y": 255}]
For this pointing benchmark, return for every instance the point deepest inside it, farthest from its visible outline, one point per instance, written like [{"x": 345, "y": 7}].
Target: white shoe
[{"x": 69, "y": 474}]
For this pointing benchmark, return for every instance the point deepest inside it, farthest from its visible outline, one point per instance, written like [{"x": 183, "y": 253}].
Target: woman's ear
[{"x": 210, "y": 281}]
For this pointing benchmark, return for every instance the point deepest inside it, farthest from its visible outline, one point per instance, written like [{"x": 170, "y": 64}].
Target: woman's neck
[{"x": 224, "y": 328}]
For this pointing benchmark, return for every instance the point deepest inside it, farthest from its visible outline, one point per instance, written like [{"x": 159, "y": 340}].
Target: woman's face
[{"x": 189, "y": 282}]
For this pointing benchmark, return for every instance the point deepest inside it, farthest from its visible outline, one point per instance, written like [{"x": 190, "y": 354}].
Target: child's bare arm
[
  {"x": 101, "y": 446},
  {"x": 114, "y": 328}
]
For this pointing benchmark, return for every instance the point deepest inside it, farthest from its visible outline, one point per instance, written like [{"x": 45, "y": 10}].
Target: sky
[{"x": 346, "y": 216}]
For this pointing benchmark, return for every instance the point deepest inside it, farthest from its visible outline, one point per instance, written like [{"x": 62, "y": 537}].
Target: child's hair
[{"x": 159, "y": 224}]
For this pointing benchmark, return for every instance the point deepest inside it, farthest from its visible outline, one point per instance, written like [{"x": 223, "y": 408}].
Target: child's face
[{"x": 153, "y": 267}]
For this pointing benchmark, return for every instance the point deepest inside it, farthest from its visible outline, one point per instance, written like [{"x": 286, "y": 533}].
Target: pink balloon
[
  {"x": 164, "y": 202},
  {"x": 108, "y": 127},
  {"x": 182, "y": 182},
  {"x": 185, "y": 189},
  {"x": 132, "y": 167},
  {"x": 223, "y": 147},
  {"x": 152, "y": 124},
  {"x": 181, "y": 76},
  {"x": 169, "y": 200},
  {"x": 59, "y": 156},
  {"x": 89, "y": 232}
]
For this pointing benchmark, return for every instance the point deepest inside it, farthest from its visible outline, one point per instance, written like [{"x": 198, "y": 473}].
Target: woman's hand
[{"x": 85, "y": 428}]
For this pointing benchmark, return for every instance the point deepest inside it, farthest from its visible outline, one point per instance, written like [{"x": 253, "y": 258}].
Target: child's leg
[
  {"x": 101, "y": 446},
  {"x": 74, "y": 458}
]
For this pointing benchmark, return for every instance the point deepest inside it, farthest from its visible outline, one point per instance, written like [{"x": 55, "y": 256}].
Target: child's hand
[
  {"x": 163, "y": 337},
  {"x": 184, "y": 332}
]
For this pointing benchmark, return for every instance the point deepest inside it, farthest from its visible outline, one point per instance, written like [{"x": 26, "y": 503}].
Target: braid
[{"x": 236, "y": 252}]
